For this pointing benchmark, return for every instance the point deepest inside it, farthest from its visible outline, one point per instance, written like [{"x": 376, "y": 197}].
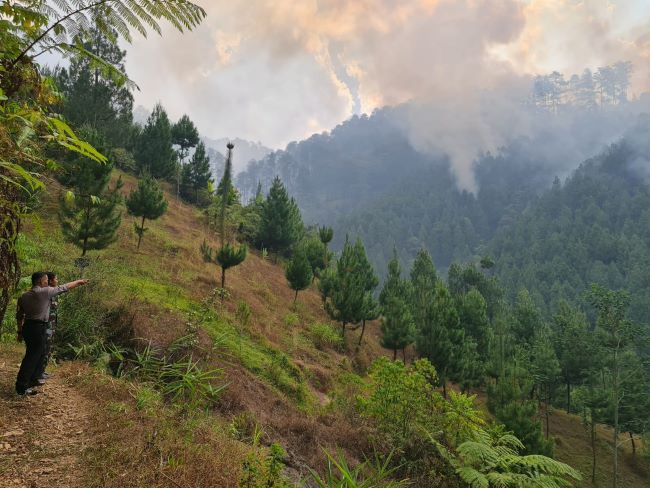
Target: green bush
[
  {"x": 370, "y": 474},
  {"x": 324, "y": 336}
]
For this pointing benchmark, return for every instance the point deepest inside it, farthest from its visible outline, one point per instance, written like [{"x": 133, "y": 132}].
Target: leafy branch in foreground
[
  {"x": 56, "y": 27},
  {"x": 492, "y": 460}
]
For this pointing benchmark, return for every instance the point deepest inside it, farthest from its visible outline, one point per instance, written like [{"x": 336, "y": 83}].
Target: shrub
[
  {"x": 370, "y": 474},
  {"x": 325, "y": 336}
]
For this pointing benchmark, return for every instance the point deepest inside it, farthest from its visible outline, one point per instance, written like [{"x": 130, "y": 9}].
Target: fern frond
[{"x": 472, "y": 477}]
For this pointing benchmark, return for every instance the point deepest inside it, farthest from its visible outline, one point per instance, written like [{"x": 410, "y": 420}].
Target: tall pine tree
[
  {"x": 91, "y": 217},
  {"x": 440, "y": 337},
  {"x": 196, "y": 176},
  {"x": 397, "y": 325},
  {"x": 281, "y": 226},
  {"x": 154, "y": 153}
]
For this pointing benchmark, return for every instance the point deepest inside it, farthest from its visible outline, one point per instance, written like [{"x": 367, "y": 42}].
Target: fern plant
[
  {"x": 492, "y": 460},
  {"x": 57, "y": 25}
]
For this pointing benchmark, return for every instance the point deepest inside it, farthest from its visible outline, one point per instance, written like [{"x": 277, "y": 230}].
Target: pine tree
[
  {"x": 618, "y": 337},
  {"x": 147, "y": 201},
  {"x": 472, "y": 310},
  {"x": 326, "y": 234},
  {"x": 93, "y": 98},
  {"x": 228, "y": 256},
  {"x": 574, "y": 347},
  {"x": 546, "y": 369},
  {"x": 347, "y": 294},
  {"x": 196, "y": 175},
  {"x": 184, "y": 135},
  {"x": 440, "y": 337},
  {"x": 91, "y": 217},
  {"x": 397, "y": 324},
  {"x": 154, "y": 153},
  {"x": 423, "y": 283},
  {"x": 316, "y": 254},
  {"x": 298, "y": 272},
  {"x": 226, "y": 191},
  {"x": 281, "y": 226}
]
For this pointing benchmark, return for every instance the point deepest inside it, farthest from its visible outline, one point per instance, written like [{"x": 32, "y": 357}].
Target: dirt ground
[{"x": 42, "y": 437}]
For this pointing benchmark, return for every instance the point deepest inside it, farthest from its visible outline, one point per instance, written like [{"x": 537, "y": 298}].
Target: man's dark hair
[
  {"x": 36, "y": 277},
  {"x": 51, "y": 275}
]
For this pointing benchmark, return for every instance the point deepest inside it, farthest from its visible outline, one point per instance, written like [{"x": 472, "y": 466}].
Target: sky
[{"x": 276, "y": 71}]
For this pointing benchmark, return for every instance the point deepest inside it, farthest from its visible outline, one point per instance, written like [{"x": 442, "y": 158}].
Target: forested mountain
[
  {"x": 331, "y": 174},
  {"x": 593, "y": 228}
]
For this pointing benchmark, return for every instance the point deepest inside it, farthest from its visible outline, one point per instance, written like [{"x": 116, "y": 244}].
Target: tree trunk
[
  {"x": 343, "y": 330},
  {"x": 394, "y": 354},
  {"x": 568, "y": 397},
  {"x": 363, "y": 329},
  {"x": 546, "y": 402},
  {"x": 223, "y": 277},
  {"x": 444, "y": 388},
  {"x": 141, "y": 232},
  {"x": 593, "y": 450},
  {"x": 404, "y": 354},
  {"x": 633, "y": 444},
  {"x": 295, "y": 297}
]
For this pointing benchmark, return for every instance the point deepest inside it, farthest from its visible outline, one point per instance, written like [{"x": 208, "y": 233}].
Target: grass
[{"x": 281, "y": 365}]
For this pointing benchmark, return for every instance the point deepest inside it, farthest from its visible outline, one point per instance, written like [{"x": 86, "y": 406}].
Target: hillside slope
[{"x": 280, "y": 373}]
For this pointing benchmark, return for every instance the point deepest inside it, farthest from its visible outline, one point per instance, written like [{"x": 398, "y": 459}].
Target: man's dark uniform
[{"x": 34, "y": 309}]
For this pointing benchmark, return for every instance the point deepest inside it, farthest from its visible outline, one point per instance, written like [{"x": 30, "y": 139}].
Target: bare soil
[{"x": 42, "y": 437}]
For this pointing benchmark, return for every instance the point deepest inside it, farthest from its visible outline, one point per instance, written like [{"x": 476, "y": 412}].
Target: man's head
[
  {"x": 39, "y": 279},
  {"x": 52, "y": 279}
]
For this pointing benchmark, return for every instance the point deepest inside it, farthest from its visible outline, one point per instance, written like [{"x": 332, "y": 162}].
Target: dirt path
[{"x": 42, "y": 436}]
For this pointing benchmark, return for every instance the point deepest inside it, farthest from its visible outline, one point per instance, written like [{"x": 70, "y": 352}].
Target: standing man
[
  {"x": 32, "y": 316},
  {"x": 53, "y": 320}
]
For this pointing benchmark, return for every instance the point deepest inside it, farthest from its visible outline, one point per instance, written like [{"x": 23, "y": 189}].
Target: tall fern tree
[
  {"x": 148, "y": 202},
  {"x": 33, "y": 27}
]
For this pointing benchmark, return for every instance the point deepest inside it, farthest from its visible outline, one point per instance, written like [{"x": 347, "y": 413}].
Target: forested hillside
[{"x": 593, "y": 228}]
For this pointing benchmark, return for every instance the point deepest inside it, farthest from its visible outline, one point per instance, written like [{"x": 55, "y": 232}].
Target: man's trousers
[{"x": 34, "y": 336}]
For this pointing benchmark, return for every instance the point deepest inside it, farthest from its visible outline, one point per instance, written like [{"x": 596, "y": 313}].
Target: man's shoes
[
  {"x": 27, "y": 392},
  {"x": 45, "y": 376},
  {"x": 37, "y": 383}
]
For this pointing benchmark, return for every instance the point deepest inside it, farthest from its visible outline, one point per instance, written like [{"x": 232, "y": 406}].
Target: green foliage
[
  {"x": 324, "y": 336},
  {"x": 370, "y": 474},
  {"x": 402, "y": 402},
  {"x": 346, "y": 288},
  {"x": 90, "y": 216},
  {"x": 440, "y": 337},
  {"x": 147, "y": 201},
  {"x": 195, "y": 177},
  {"x": 397, "y": 326},
  {"x": 281, "y": 224},
  {"x": 510, "y": 403},
  {"x": 185, "y": 135},
  {"x": 325, "y": 234},
  {"x": 226, "y": 257},
  {"x": 492, "y": 460},
  {"x": 299, "y": 272},
  {"x": 423, "y": 284},
  {"x": 154, "y": 154},
  {"x": 93, "y": 97},
  {"x": 315, "y": 252}
]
